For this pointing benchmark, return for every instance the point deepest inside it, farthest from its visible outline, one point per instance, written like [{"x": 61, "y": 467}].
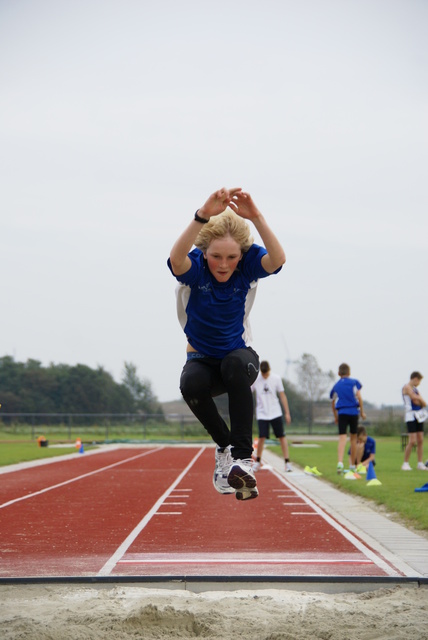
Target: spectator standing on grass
[
  {"x": 270, "y": 395},
  {"x": 217, "y": 285},
  {"x": 347, "y": 405},
  {"x": 415, "y": 413},
  {"x": 365, "y": 449}
]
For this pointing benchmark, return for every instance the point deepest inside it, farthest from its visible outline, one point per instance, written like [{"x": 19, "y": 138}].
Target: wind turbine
[{"x": 288, "y": 360}]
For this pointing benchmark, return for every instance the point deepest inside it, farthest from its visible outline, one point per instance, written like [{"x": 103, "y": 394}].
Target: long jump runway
[{"x": 153, "y": 511}]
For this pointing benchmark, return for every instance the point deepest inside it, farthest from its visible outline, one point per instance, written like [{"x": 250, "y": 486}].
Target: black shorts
[
  {"x": 277, "y": 426},
  {"x": 346, "y": 420},
  {"x": 415, "y": 427}
]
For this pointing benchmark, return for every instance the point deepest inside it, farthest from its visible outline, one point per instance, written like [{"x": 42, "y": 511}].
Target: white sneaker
[
  {"x": 406, "y": 467},
  {"x": 421, "y": 466},
  {"x": 256, "y": 466},
  {"x": 223, "y": 461},
  {"x": 288, "y": 467},
  {"x": 241, "y": 477}
]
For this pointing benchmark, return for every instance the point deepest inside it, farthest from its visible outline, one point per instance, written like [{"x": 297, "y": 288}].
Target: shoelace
[
  {"x": 246, "y": 461},
  {"x": 224, "y": 460}
]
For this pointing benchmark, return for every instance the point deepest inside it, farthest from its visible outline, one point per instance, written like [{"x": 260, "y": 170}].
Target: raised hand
[
  {"x": 242, "y": 204},
  {"x": 217, "y": 202}
]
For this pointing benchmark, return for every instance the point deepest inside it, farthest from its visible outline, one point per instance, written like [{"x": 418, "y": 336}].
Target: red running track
[{"x": 154, "y": 512}]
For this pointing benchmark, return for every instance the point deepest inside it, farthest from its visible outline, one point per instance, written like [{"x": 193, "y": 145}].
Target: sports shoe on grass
[
  {"x": 339, "y": 467},
  {"x": 223, "y": 460},
  {"x": 315, "y": 472},
  {"x": 312, "y": 471},
  {"x": 406, "y": 467},
  {"x": 421, "y": 467},
  {"x": 361, "y": 469},
  {"x": 241, "y": 477}
]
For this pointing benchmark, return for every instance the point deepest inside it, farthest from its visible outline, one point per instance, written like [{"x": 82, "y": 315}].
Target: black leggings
[{"x": 204, "y": 378}]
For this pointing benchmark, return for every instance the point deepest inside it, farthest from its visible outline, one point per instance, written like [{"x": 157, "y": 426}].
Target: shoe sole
[{"x": 243, "y": 483}]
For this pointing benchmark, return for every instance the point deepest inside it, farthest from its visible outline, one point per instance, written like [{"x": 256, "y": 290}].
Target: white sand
[{"x": 60, "y": 612}]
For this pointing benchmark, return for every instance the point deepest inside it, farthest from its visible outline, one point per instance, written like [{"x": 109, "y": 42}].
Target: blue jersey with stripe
[
  {"x": 411, "y": 409},
  {"x": 214, "y": 315}
]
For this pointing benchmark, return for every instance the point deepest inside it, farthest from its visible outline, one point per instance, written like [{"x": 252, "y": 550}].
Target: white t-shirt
[{"x": 267, "y": 389}]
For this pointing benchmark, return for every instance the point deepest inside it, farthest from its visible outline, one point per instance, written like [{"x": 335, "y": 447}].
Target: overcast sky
[{"x": 119, "y": 117}]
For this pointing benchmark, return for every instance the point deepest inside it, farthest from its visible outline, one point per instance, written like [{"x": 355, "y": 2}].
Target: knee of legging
[
  {"x": 192, "y": 388},
  {"x": 233, "y": 370}
]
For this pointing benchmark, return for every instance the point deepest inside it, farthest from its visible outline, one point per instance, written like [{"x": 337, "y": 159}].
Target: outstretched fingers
[
  {"x": 226, "y": 195},
  {"x": 244, "y": 206}
]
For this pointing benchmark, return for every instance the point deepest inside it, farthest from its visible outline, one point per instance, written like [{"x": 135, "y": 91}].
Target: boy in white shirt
[{"x": 270, "y": 395}]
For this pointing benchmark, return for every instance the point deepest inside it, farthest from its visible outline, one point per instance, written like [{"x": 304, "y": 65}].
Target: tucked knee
[
  {"x": 191, "y": 389},
  {"x": 233, "y": 370}
]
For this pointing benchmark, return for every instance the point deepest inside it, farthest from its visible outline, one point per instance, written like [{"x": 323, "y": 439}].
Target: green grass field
[
  {"x": 397, "y": 491},
  {"x": 13, "y": 452}
]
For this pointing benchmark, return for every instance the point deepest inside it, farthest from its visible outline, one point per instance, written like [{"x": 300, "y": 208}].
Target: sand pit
[{"x": 60, "y": 612}]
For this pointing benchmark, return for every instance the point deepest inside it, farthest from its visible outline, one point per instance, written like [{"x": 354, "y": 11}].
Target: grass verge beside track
[
  {"x": 397, "y": 491},
  {"x": 14, "y": 452}
]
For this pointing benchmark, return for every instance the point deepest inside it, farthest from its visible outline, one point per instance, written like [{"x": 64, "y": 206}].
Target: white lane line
[
  {"x": 293, "y": 504},
  {"x": 378, "y": 561},
  {"x": 305, "y": 513},
  {"x": 203, "y": 560},
  {"x": 84, "y": 475},
  {"x": 122, "y": 549},
  {"x": 284, "y": 558}
]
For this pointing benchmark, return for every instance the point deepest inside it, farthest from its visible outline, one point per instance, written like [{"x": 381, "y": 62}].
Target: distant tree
[
  {"x": 296, "y": 401},
  {"x": 313, "y": 382},
  {"x": 145, "y": 401}
]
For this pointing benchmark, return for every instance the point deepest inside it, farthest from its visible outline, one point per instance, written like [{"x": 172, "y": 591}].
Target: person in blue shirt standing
[
  {"x": 217, "y": 284},
  {"x": 347, "y": 405}
]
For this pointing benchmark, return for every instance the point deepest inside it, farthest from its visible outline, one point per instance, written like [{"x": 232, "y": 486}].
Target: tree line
[{"x": 28, "y": 387}]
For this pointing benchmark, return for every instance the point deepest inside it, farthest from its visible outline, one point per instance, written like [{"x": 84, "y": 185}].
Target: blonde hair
[{"x": 227, "y": 223}]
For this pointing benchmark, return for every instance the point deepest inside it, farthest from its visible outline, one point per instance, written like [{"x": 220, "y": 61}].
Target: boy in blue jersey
[
  {"x": 217, "y": 285},
  {"x": 366, "y": 449},
  {"x": 347, "y": 405}
]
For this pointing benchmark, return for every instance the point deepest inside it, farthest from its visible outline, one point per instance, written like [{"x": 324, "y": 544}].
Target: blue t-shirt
[
  {"x": 344, "y": 393},
  {"x": 369, "y": 448},
  {"x": 214, "y": 315}
]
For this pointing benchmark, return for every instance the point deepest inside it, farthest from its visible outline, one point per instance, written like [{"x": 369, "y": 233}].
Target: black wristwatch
[{"x": 199, "y": 219}]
